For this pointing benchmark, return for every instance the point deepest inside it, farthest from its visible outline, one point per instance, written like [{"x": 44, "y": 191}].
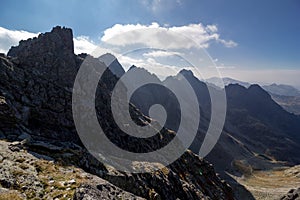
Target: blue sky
[{"x": 266, "y": 32}]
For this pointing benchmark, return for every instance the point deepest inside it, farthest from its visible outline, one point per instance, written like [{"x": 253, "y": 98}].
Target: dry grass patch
[
  {"x": 269, "y": 185},
  {"x": 13, "y": 195},
  {"x": 59, "y": 181}
]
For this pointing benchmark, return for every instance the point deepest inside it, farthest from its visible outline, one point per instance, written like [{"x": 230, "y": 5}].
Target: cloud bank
[
  {"x": 176, "y": 37},
  {"x": 10, "y": 38},
  {"x": 193, "y": 35},
  {"x": 83, "y": 44}
]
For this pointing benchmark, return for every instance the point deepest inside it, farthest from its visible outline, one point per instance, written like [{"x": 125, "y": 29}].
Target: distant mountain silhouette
[
  {"x": 113, "y": 64},
  {"x": 257, "y": 130},
  {"x": 277, "y": 89},
  {"x": 220, "y": 82},
  {"x": 283, "y": 90},
  {"x": 285, "y": 95},
  {"x": 260, "y": 124}
]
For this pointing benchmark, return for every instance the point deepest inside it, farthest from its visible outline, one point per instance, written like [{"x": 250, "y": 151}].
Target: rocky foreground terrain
[
  {"x": 41, "y": 156},
  {"x": 28, "y": 175}
]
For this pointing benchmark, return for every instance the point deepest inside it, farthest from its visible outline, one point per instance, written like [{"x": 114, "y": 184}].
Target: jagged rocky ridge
[
  {"x": 36, "y": 80},
  {"x": 257, "y": 130},
  {"x": 257, "y": 135}
]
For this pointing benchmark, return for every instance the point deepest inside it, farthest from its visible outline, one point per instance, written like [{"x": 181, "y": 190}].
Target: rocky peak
[
  {"x": 113, "y": 64},
  {"x": 132, "y": 67},
  {"x": 107, "y": 58},
  {"x": 235, "y": 89},
  {"x": 258, "y": 91},
  {"x": 57, "y": 41},
  {"x": 50, "y": 55},
  {"x": 186, "y": 73},
  {"x": 192, "y": 79}
]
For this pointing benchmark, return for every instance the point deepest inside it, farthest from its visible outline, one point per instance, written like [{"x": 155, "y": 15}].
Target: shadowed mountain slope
[{"x": 36, "y": 80}]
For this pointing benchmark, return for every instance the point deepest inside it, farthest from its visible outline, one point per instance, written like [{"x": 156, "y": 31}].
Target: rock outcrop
[
  {"x": 293, "y": 194},
  {"x": 26, "y": 175},
  {"x": 36, "y": 82},
  {"x": 51, "y": 56}
]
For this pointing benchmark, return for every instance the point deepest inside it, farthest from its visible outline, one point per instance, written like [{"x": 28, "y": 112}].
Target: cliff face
[{"x": 36, "y": 80}]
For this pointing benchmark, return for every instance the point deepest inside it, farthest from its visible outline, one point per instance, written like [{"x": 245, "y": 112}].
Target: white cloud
[
  {"x": 83, "y": 44},
  {"x": 10, "y": 38},
  {"x": 212, "y": 28},
  {"x": 150, "y": 64},
  {"x": 128, "y": 61},
  {"x": 229, "y": 43},
  {"x": 160, "y": 70},
  {"x": 119, "y": 29},
  {"x": 155, "y": 35},
  {"x": 161, "y": 54}
]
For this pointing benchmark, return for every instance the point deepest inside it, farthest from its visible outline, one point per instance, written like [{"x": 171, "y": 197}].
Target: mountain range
[
  {"x": 226, "y": 81},
  {"x": 257, "y": 129},
  {"x": 258, "y": 132},
  {"x": 36, "y": 82},
  {"x": 285, "y": 95},
  {"x": 36, "y": 85},
  {"x": 276, "y": 89}
]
